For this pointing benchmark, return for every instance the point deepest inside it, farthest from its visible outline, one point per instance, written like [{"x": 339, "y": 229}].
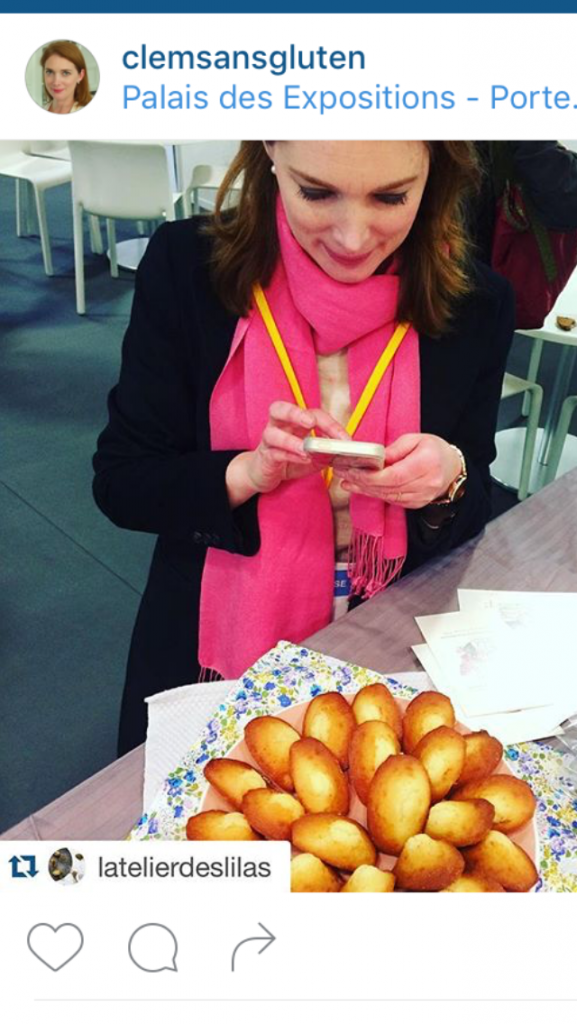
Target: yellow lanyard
[{"x": 371, "y": 386}]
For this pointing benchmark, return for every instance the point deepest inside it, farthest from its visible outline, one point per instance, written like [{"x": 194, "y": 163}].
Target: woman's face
[
  {"x": 350, "y": 204},
  {"x": 61, "y": 77}
]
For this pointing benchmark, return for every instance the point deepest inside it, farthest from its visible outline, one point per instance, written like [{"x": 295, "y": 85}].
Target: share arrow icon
[{"x": 268, "y": 938}]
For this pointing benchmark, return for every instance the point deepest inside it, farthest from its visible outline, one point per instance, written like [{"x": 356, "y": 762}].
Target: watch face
[{"x": 458, "y": 488}]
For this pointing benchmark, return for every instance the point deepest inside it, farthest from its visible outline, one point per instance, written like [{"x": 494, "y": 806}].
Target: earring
[{"x": 272, "y": 169}]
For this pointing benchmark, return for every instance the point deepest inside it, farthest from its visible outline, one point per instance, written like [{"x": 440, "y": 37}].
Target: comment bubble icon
[{"x": 153, "y": 948}]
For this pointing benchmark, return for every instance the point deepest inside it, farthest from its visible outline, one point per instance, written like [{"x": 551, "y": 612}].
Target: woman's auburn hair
[
  {"x": 69, "y": 51},
  {"x": 433, "y": 258}
]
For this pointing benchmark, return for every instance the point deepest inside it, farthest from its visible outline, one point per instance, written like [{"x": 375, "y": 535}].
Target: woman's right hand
[{"x": 280, "y": 455}]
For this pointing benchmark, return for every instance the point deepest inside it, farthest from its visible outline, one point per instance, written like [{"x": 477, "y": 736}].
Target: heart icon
[{"x": 55, "y": 947}]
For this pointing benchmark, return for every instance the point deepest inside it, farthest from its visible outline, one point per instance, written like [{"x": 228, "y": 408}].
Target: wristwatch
[{"x": 456, "y": 490}]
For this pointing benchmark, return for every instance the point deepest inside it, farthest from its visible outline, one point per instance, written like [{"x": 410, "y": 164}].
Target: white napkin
[{"x": 175, "y": 718}]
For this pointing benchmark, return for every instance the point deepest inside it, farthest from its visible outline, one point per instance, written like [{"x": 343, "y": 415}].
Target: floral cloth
[{"x": 291, "y": 675}]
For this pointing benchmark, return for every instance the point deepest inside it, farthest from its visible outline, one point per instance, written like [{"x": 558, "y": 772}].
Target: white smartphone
[{"x": 345, "y": 454}]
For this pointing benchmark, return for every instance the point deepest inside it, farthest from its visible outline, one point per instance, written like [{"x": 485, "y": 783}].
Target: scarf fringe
[
  {"x": 209, "y": 675},
  {"x": 369, "y": 569}
]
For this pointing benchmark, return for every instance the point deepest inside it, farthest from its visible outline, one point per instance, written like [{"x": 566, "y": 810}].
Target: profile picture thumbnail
[
  {"x": 66, "y": 866},
  {"x": 62, "y": 77}
]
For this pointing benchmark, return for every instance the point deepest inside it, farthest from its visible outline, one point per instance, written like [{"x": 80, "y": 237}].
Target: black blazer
[{"x": 154, "y": 470}]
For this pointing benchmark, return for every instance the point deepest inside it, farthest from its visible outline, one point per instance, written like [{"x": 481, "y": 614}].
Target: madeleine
[
  {"x": 309, "y": 874},
  {"x": 472, "y": 881},
  {"x": 220, "y": 826},
  {"x": 370, "y": 879},
  {"x": 269, "y": 740},
  {"x": 500, "y": 858},
  {"x": 232, "y": 779},
  {"x": 442, "y": 754},
  {"x": 272, "y": 814},
  {"x": 428, "y": 865},
  {"x": 375, "y": 703},
  {"x": 338, "y": 841},
  {"x": 460, "y": 822},
  {"x": 398, "y": 802},
  {"x": 512, "y": 799},
  {"x": 371, "y": 744},
  {"x": 319, "y": 781},
  {"x": 482, "y": 755},
  {"x": 329, "y": 718},
  {"x": 426, "y": 711}
]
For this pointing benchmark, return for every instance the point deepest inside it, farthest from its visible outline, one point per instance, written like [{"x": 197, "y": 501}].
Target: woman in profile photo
[
  {"x": 66, "y": 87},
  {"x": 349, "y": 252}
]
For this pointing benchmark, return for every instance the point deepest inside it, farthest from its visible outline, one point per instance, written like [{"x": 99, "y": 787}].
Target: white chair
[
  {"x": 54, "y": 148},
  {"x": 40, "y": 174},
  {"x": 533, "y": 396},
  {"x": 559, "y": 437},
  {"x": 118, "y": 181},
  {"x": 201, "y": 166},
  {"x": 533, "y": 369},
  {"x": 509, "y": 442}
]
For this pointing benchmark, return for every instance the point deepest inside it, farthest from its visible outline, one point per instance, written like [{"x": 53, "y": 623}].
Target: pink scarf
[{"x": 285, "y": 591}]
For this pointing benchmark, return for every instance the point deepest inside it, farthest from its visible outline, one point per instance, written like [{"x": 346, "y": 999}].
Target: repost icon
[{"x": 153, "y": 948}]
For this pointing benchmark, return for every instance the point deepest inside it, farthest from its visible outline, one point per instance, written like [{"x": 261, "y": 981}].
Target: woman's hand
[
  {"x": 419, "y": 469},
  {"x": 280, "y": 454}
]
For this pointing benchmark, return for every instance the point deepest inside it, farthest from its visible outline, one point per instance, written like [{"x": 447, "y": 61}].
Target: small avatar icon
[{"x": 66, "y": 866}]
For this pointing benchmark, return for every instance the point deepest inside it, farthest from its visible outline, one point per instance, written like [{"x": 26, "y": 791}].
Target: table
[
  {"x": 510, "y": 442},
  {"x": 377, "y": 635}
]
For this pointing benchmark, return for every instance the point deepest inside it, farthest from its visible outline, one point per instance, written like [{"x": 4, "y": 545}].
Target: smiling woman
[
  {"x": 66, "y": 85},
  {"x": 341, "y": 281},
  {"x": 349, "y": 201},
  {"x": 357, "y": 220}
]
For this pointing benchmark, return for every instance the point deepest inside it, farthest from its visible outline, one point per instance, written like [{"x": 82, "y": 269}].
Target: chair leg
[
  {"x": 24, "y": 213},
  {"x": 186, "y": 204},
  {"x": 533, "y": 370},
  {"x": 556, "y": 449},
  {"x": 96, "y": 245},
  {"x": 78, "y": 228},
  {"x": 536, "y": 400},
  {"x": 111, "y": 232},
  {"x": 21, "y": 208},
  {"x": 44, "y": 236}
]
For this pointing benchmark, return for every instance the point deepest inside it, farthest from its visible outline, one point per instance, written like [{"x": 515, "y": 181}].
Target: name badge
[{"x": 342, "y": 587}]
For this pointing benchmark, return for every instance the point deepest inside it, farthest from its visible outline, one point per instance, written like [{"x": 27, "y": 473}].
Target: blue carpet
[{"x": 70, "y": 580}]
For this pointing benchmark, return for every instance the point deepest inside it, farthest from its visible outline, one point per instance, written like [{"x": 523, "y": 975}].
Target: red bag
[{"x": 538, "y": 262}]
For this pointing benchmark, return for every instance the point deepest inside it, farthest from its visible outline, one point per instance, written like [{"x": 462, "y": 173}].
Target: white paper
[
  {"x": 544, "y": 626},
  {"x": 483, "y": 664},
  {"x": 520, "y": 608},
  {"x": 511, "y": 727}
]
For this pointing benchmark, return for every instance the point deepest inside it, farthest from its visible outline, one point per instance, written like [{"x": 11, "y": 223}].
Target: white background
[
  {"x": 417, "y": 946},
  {"x": 463, "y": 53},
  {"x": 453, "y": 959}
]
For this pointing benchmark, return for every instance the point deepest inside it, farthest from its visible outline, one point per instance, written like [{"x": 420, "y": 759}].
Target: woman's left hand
[{"x": 419, "y": 469}]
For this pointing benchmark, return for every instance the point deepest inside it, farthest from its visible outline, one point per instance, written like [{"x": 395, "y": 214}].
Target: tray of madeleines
[{"x": 375, "y": 794}]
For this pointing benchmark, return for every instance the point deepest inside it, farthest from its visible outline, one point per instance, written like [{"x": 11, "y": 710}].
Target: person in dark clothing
[
  {"x": 355, "y": 245},
  {"x": 548, "y": 173}
]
